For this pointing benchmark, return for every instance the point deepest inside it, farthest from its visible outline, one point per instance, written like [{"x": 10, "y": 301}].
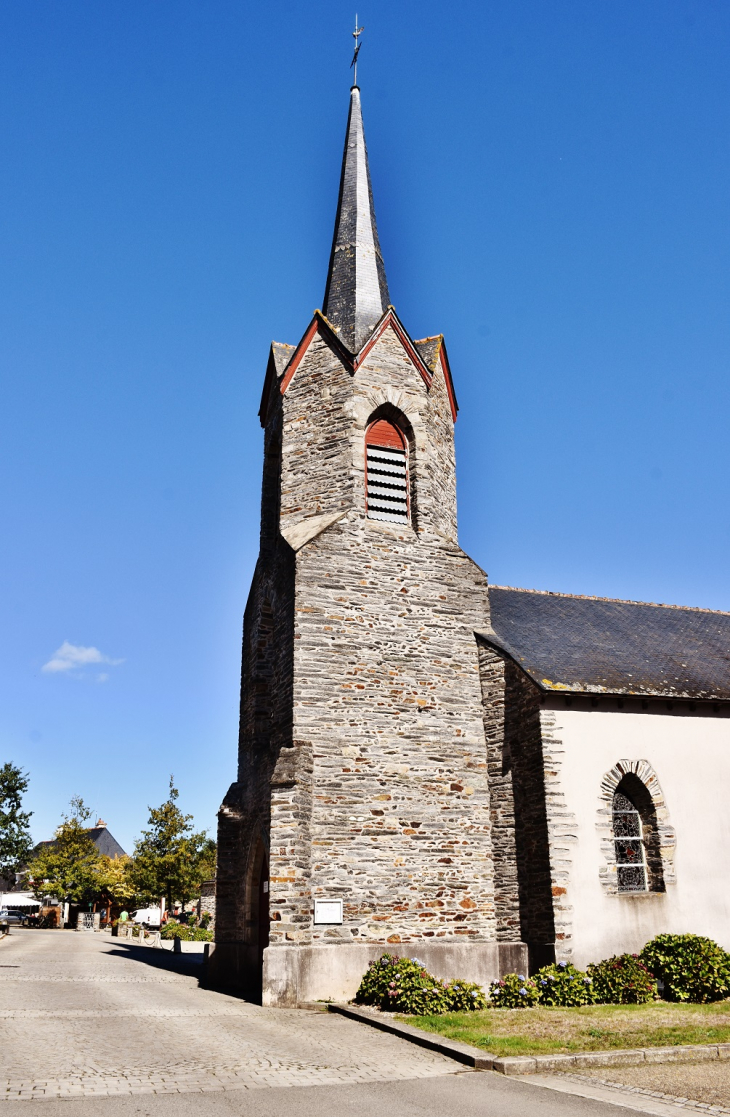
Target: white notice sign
[{"x": 328, "y": 911}]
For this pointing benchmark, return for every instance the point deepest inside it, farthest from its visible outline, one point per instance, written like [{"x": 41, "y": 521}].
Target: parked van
[{"x": 149, "y": 916}]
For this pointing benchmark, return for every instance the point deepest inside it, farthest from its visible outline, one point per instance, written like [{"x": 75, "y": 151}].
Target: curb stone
[
  {"x": 461, "y": 1052},
  {"x": 535, "y": 1064}
]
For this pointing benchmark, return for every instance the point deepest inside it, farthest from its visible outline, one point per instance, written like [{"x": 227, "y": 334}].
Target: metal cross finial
[{"x": 356, "y": 36}]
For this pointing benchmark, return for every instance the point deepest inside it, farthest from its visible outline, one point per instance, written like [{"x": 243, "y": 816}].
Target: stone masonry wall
[
  {"x": 502, "y": 803},
  {"x": 528, "y": 835},
  {"x": 265, "y": 736},
  {"x": 523, "y": 735},
  {"x": 316, "y": 466},
  {"x": 562, "y": 834},
  {"x": 387, "y": 690}
]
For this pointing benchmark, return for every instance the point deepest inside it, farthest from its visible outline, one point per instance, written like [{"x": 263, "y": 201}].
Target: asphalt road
[{"x": 465, "y": 1094}]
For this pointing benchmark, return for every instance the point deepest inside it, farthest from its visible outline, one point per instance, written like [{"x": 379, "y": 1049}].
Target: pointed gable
[
  {"x": 279, "y": 356},
  {"x": 428, "y": 349},
  {"x": 432, "y": 351},
  {"x": 428, "y": 356}
]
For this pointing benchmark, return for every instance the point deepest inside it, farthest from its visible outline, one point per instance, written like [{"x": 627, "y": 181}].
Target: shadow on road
[{"x": 192, "y": 965}]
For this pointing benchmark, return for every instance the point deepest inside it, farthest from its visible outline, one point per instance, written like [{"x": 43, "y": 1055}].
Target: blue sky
[{"x": 551, "y": 184}]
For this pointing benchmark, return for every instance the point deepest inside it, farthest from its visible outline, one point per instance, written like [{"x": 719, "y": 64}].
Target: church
[{"x": 485, "y": 778}]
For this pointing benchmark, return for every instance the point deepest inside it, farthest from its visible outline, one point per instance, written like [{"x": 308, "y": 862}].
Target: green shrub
[
  {"x": 689, "y": 968},
  {"x": 564, "y": 986},
  {"x": 465, "y": 996},
  {"x": 187, "y": 932},
  {"x": 402, "y": 985},
  {"x": 622, "y": 980},
  {"x": 405, "y": 985},
  {"x": 513, "y": 991},
  {"x": 174, "y": 930}
]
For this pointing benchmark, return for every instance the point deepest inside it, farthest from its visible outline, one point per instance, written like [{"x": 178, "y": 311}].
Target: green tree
[
  {"x": 70, "y": 866},
  {"x": 115, "y": 879},
  {"x": 170, "y": 859},
  {"x": 15, "y": 840}
]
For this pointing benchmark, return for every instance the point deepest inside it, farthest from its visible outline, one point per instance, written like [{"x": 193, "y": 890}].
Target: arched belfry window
[
  {"x": 628, "y": 834},
  {"x": 387, "y": 473}
]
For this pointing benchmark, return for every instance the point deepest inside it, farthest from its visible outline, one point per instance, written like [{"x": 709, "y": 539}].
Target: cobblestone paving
[{"x": 83, "y": 1014}]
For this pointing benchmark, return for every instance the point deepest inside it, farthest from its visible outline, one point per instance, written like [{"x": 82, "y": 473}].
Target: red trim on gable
[
  {"x": 319, "y": 324},
  {"x": 390, "y": 318},
  {"x": 299, "y": 352}
]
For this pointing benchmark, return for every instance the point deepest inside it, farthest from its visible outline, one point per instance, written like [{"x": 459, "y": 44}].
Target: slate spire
[{"x": 357, "y": 291}]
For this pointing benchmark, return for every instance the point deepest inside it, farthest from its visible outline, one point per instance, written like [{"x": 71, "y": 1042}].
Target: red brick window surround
[{"x": 386, "y": 478}]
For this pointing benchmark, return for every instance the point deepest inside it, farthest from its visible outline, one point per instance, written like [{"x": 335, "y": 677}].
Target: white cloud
[{"x": 71, "y": 656}]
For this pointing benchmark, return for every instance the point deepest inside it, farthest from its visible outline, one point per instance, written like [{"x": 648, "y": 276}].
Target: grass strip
[{"x": 551, "y": 1031}]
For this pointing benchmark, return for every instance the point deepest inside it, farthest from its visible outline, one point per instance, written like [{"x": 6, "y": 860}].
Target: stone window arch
[
  {"x": 387, "y": 481},
  {"x": 637, "y": 839}
]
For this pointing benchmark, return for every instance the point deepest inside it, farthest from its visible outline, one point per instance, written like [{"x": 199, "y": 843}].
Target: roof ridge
[{"x": 613, "y": 600}]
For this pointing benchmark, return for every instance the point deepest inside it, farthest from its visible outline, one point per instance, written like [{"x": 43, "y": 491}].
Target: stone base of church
[{"x": 296, "y": 974}]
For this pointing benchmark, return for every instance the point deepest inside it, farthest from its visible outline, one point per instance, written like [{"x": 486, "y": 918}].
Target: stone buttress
[{"x": 360, "y": 819}]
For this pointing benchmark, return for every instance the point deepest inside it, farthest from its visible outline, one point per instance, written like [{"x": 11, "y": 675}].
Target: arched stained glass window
[
  {"x": 628, "y": 833},
  {"x": 387, "y": 473}
]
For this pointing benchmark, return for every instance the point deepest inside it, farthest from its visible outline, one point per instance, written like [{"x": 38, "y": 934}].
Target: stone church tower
[{"x": 360, "y": 819}]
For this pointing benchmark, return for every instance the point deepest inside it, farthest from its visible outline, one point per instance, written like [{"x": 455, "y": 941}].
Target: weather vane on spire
[{"x": 356, "y": 36}]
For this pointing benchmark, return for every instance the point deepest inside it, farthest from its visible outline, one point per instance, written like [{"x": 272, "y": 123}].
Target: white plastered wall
[{"x": 691, "y": 758}]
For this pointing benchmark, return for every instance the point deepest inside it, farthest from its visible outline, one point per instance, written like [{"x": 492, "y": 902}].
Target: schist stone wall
[
  {"x": 363, "y": 769},
  {"x": 526, "y": 815}
]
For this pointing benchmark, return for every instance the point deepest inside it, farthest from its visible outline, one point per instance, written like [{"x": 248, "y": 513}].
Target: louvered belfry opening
[{"x": 387, "y": 473}]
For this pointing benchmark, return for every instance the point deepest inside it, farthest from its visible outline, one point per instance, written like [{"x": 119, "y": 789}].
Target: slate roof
[
  {"x": 356, "y": 295},
  {"x": 105, "y": 842},
  {"x": 602, "y": 646}
]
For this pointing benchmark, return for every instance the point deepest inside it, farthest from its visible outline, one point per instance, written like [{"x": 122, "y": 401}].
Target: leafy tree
[
  {"x": 115, "y": 879},
  {"x": 70, "y": 866},
  {"x": 170, "y": 859},
  {"x": 207, "y": 863},
  {"x": 15, "y": 840}
]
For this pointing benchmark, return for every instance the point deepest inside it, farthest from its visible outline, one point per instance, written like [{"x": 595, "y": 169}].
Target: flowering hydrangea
[
  {"x": 623, "y": 980},
  {"x": 513, "y": 991},
  {"x": 404, "y": 985},
  {"x": 564, "y": 985}
]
